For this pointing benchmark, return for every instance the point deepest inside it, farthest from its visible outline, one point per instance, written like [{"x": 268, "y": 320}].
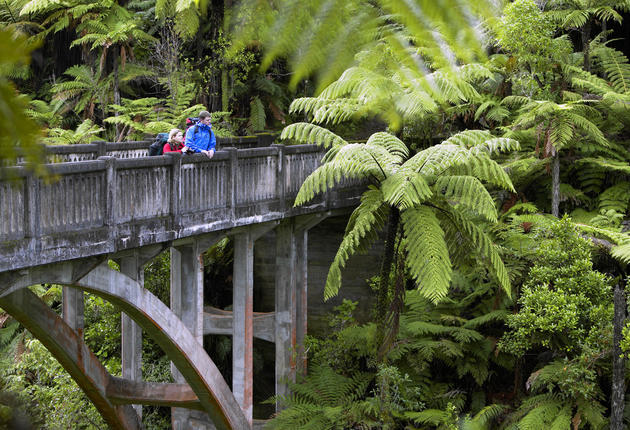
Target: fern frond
[
  {"x": 366, "y": 220},
  {"x": 391, "y": 143},
  {"x": 493, "y": 316},
  {"x": 405, "y": 189},
  {"x": 304, "y": 132},
  {"x": 427, "y": 255},
  {"x": 485, "y": 246},
  {"x": 469, "y": 191}
]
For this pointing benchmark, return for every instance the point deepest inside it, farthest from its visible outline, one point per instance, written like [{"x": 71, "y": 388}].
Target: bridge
[{"x": 108, "y": 202}]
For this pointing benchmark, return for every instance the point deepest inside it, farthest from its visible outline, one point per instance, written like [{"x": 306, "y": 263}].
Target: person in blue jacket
[{"x": 200, "y": 137}]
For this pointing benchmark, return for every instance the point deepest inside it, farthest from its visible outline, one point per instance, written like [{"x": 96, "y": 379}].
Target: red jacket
[{"x": 167, "y": 148}]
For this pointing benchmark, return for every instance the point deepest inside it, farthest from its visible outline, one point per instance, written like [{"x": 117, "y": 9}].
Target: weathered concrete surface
[
  {"x": 243, "y": 323},
  {"x": 110, "y": 205},
  {"x": 155, "y": 318},
  {"x": 131, "y": 333},
  {"x": 72, "y": 353},
  {"x": 159, "y": 322},
  {"x": 186, "y": 296},
  {"x": 322, "y": 243},
  {"x": 125, "y": 391},
  {"x": 219, "y": 321}
]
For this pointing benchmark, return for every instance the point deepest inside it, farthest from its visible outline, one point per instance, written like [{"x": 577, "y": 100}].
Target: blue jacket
[{"x": 200, "y": 137}]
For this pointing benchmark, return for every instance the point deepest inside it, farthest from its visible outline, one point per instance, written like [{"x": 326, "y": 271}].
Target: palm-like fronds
[
  {"x": 429, "y": 189},
  {"x": 440, "y": 33},
  {"x": 322, "y": 401}
]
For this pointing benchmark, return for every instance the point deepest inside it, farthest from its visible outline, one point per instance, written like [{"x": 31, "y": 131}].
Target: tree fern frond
[
  {"x": 434, "y": 160},
  {"x": 405, "y": 189},
  {"x": 368, "y": 218},
  {"x": 492, "y": 316},
  {"x": 484, "y": 246},
  {"x": 615, "y": 65},
  {"x": 304, "y": 132},
  {"x": 391, "y": 143},
  {"x": 427, "y": 255},
  {"x": 490, "y": 171},
  {"x": 469, "y": 191}
]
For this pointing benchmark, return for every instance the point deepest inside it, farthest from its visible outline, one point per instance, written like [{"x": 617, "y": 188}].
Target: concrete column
[
  {"x": 72, "y": 308},
  {"x": 187, "y": 291},
  {"x": 187, "y": 304},
  {"x": 301, "y": 296},
  {"x": 131, "y": 333},
  {"x": 243, "y": 322},
  {"x": 285, "y": 327}
]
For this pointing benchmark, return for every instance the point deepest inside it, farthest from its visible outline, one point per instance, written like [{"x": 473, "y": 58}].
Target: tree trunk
[
  {"x": 225, "y": 85},
  {"x": 382, "y": 293},
  {"x": 619, "y": 366},
  {"x": 586, "y": 40},
  {"x": 116, "y": 91},
  {"x": 555, "y": 184}
]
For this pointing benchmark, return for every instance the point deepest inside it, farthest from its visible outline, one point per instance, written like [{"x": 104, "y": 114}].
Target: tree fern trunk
[
  {"x": 619, "y": 365},
  {"x": 225, "y": 86},
  {"x": 586, "y": 40},
  {"x": 116, "y": 91},
  {"x": 386, "y": 267},
  {"x": 555, "y": 185}
]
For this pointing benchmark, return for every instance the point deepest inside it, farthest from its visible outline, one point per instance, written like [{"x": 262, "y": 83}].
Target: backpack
[
  {"x": 157, "y": 146},
  {"x": 191, "y": 122}
]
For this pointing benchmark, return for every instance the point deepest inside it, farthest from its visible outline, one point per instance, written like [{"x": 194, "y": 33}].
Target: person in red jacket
[{"x": 175, "y": 141}]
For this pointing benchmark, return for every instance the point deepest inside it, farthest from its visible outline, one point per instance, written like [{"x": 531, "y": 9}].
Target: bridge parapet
[
  {"x": 139, "y": 148},
  {"x": 111, "y": 204}
]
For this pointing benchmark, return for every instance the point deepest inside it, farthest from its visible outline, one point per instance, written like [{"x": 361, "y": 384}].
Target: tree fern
[{"x": 428, "y": 261}]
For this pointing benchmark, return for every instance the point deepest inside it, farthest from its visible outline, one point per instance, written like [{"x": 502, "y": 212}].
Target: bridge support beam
[
  {"x": 131, "y": 333},
  {"x": 243, "y": 322},
  {"x": 285, "y": 298},
  {"x": 243, "y": 315},
  {"x": 187, "y": 304},
  {"x": 72, "y": 309},
  {"x": 291, "y": 284}
]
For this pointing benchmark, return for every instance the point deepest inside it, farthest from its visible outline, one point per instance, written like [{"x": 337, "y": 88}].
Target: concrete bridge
[{"x": 129, "y": 210}]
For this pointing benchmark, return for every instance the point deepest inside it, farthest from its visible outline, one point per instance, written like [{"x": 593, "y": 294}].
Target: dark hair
[{"x": 203, "y": 115}]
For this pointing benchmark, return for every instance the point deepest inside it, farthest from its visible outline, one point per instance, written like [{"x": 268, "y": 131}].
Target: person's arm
[{"x": 191, "y": 139}]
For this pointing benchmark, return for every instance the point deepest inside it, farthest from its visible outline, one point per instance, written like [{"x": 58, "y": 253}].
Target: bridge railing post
[
  {"x": 232, "y": 187},
  {"x": 101, "y": 150},
  {"x": 176, "y": 188},
  {"x": 280, "y": 176},
  {"x": 32, "y": 212},
  {"x": 111, "y": 190}
]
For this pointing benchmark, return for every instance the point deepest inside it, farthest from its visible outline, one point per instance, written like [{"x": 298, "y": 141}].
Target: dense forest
[{"x": 492, "y": 139}]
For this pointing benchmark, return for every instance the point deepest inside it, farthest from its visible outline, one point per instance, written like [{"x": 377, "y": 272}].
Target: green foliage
[
  {"x": 60, "y": 402},
  {"x": 525, "y": 31},
  {"x": 17, "y": 129},
  {"x": 330, "y": 34},
  {"x": 85, "y": 132},
  {"x": 565, "y": 304},
  {"x": 324, "y": 401},
  {"x": 444, "y": 177}
]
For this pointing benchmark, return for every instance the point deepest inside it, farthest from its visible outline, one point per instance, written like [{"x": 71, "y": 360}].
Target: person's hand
[{"x": 209, "y": 153}]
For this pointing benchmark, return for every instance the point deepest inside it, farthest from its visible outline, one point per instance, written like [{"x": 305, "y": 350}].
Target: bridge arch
[{"x": 156, "y": 319}]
